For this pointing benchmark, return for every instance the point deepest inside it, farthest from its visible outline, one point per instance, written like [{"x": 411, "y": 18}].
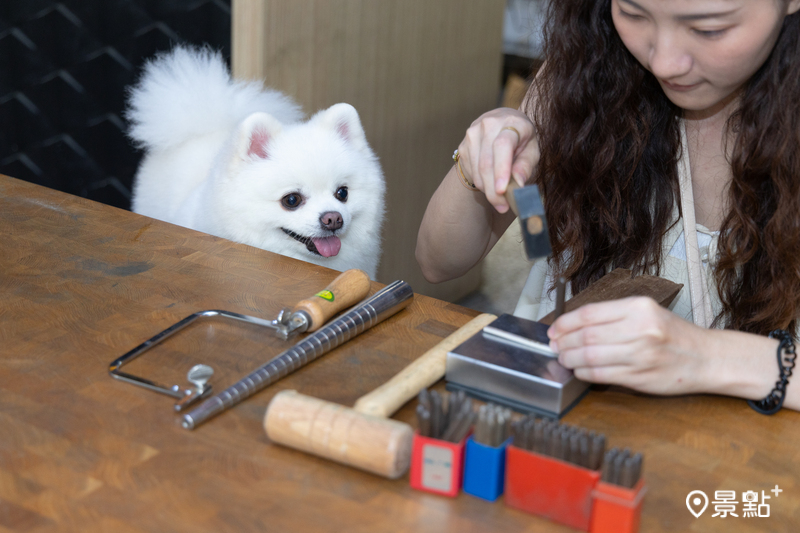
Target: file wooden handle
[{"x": 349, "y": 288}]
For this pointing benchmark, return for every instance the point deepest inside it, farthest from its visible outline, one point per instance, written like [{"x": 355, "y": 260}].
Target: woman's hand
[
  {"x": 632, "y": 342},
  {"x": 499, "y": 145},
  {"x": 460, "y": 226},
  {"x": 636, "y": 343}
]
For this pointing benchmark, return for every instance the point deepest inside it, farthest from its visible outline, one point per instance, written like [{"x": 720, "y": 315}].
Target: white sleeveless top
[{"x": 689, "y": 251}]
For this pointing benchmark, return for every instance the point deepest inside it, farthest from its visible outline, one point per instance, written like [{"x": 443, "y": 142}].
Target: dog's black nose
[{"x": 331, "y": 220}]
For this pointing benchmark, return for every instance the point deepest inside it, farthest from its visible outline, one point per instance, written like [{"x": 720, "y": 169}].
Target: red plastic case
[
  {"x": 617, "y": 509},
  {"x": 549, "y": 487},
  {"x": 436, "y": 465}
]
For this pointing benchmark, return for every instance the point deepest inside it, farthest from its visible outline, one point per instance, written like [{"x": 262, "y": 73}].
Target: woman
[{"x": 655, "y": 125}]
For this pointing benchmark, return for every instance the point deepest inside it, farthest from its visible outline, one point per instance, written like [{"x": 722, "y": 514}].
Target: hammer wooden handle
[
  {"x": 422, "y": 373},
  {"x": 378, "y": 445},
  {"x": 512, "y": 202},
  {"x": 349, "y": 287}
]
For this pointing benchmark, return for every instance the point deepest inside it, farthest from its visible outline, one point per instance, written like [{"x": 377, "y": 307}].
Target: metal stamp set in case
[{"x": 557, "y": 471}]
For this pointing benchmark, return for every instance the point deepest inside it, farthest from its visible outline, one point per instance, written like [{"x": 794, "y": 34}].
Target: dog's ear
[
  {"x": 343, "y": 119},
  {"x": 256, "y": 133}
]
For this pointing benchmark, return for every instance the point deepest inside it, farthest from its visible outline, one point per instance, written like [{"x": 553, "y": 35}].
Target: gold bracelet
[{"x": 464, "y": 180}]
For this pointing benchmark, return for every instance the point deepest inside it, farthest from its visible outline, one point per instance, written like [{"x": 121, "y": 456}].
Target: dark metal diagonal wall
[{"x": 64, "y": 67}]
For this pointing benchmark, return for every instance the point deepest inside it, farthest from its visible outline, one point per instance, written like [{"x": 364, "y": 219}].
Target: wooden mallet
[{"x": 363, "y": 436}]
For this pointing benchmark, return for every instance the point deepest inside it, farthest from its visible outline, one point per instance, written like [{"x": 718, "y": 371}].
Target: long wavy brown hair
[{"x": 610, "y": 142}]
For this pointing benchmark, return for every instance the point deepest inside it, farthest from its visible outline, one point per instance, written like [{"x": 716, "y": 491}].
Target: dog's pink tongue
[{"x": 327, "y": 246}]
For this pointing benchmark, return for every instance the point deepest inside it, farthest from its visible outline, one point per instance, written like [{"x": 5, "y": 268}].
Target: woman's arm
[
  {"x": 460, "y": 226},
  {"x": 458, "y": 229},
  {"x": 638, "y": 344}
]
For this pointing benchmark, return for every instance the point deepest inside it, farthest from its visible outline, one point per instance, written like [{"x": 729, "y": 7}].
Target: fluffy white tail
[{"x": 188, "y": 92}]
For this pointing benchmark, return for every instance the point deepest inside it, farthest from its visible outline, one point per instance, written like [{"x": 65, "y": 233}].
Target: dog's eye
[
  {"x": 292, "y": 200},
  {"x": 341, "y": 194}
]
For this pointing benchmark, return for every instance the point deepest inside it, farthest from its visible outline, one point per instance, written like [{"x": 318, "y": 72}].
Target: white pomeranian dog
[{"x": 234, "y": 160}]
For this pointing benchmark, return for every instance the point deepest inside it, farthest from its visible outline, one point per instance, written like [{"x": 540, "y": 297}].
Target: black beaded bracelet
[{"x": 786, "y": 360}]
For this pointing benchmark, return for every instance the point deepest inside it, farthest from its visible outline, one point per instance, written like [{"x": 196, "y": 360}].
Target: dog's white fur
[{"x": 221, "y": 155}]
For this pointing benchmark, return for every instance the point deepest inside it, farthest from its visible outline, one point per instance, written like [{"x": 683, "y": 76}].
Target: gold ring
[
  {"x": 512, "y": 128},
  {"x": 464, "y": 180}
]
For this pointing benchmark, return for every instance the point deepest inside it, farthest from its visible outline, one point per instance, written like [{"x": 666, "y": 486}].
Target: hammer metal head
[{"x": 530, "y": 210}]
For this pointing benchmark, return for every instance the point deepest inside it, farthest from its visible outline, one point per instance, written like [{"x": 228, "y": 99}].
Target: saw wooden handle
[
  {"x": 349, "y": 287},
  {"x": 378, "y": 445},
  {"x": 422, "y": 373}
]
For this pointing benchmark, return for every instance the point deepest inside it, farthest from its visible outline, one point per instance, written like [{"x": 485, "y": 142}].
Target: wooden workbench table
[{"x": 82, "y": 283}]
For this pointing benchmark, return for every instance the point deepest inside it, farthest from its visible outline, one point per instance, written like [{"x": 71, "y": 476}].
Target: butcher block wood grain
[{"x": 82, "y": 283}]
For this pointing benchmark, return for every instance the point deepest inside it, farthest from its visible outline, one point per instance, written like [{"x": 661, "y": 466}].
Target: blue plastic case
[{"x": 484, "y": 470}]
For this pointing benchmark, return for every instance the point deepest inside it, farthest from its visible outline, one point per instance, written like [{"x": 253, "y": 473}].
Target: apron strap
[{"x": 698, "y": 289}]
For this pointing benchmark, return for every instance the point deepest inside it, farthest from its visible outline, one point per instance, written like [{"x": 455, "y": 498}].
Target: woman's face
[{"x": 701, "y": 51}]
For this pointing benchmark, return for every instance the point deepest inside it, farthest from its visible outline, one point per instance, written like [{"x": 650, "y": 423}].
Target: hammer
[
  {"x": 363, "y": 436},
  {"x": 526, "y": 203}
]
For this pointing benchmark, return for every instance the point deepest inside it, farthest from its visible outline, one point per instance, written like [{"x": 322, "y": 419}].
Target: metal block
[{"x": 509, "y": 362}]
